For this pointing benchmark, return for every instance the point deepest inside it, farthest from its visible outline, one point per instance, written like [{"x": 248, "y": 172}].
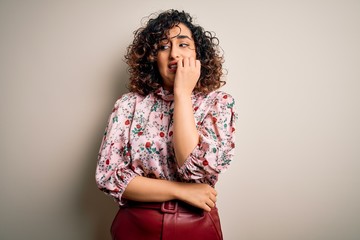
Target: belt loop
[{"x": 169, "y": 207}]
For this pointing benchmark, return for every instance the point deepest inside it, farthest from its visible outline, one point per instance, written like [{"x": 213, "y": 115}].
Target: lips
[{"x": 172, "y": 66}]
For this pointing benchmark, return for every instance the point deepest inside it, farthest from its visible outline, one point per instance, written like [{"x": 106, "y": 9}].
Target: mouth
[{"x": 172, "y": 66}]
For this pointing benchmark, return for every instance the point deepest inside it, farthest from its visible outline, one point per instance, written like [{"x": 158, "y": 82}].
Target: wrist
[
  {"x": 177, "y": 190},
  {"x": 181, "y": 93}
]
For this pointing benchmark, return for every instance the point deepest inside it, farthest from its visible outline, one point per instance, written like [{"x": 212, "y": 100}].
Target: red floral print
[{"x": 147, "y": 148}]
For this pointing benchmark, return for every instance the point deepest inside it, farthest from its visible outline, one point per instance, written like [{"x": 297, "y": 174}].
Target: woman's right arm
[{"x": 156, "y": 190}]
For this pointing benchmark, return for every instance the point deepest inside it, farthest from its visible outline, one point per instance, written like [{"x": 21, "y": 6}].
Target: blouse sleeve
[
  {"x": 114, "y": 171},
  {"x": 216, "y": 147}
]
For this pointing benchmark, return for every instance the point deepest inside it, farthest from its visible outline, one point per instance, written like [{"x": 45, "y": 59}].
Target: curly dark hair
[{"x": 142, "y": 53}]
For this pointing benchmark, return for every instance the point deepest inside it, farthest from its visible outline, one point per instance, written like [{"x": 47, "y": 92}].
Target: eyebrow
[
  {"x": 177, "y": 37},
  {"x": 183, "y": 37}
]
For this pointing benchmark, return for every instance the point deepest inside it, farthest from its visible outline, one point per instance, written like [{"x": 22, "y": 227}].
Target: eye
[
  {"x": 183, "y": 45},
  {"x": 164, "y": 47}
]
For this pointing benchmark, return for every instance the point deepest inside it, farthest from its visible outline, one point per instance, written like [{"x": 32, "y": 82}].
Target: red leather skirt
[{"x": 173, "y": 220}]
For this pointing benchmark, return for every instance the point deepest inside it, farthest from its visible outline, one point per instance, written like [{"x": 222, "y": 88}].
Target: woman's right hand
[
  {"x": 145, "y": 189},
  {"x": 197, "y": 194}
]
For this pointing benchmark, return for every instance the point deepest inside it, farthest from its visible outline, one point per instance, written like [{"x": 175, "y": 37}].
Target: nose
[{"x": 174, "y": 54}]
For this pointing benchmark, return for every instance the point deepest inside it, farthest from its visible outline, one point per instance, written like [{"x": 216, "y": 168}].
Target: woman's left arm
[
  {"x": 203, "y": 151},
  {"x": 186, "y": 136},
  {"x": 216, "y": 146}
]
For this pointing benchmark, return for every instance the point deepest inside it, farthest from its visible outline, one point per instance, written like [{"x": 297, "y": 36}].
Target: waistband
[{"x": 171, "y": 207}]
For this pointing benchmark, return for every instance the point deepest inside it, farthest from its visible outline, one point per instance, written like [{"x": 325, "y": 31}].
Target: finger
[
  {"x": 197, "y": 64},
  {"x": 186, "y": 62},
  {"x": 180, "y": 63},
  {"x": 213, "y": 191},
  {"x": 206, "y": 208},
  {"x": 192, "y": 62},
  {"x": 213, "y": 198},
  {"x": 210, "y": 203}
]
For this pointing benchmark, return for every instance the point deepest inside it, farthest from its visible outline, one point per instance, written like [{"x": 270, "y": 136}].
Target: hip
[{"x": 168, "y": 220}]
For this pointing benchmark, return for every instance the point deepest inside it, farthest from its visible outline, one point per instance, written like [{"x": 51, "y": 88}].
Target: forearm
[
  {"x": 145, "y": 189},
  {"x": 186, "y": 136}
]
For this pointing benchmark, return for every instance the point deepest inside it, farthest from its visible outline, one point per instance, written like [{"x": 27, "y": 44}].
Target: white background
[{"x": 293, "y": 67}]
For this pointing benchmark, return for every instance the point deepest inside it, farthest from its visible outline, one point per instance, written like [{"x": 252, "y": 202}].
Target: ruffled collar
[
  {"x": 169, "y": 96},
  {"x": 164, "y": 94}
]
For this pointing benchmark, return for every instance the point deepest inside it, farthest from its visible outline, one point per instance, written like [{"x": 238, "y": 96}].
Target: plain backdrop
[{"x": 293, "y": 67}]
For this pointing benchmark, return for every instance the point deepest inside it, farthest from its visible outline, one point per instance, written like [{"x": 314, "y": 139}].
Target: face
[{"x": 177, "y": 45}]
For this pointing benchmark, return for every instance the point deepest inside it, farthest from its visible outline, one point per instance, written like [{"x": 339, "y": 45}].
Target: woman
[{"x": 168, "y": 139}]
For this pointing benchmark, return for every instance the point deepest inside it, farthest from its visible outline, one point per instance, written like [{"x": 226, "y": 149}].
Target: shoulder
[
  {"x": 219, "y": 97},
  {"x": 128, "y": 100}
]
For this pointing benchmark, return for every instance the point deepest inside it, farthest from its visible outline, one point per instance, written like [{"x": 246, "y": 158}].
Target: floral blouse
[{"x": 138, "y": 141}]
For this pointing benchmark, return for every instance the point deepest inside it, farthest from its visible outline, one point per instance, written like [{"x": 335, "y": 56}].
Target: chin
[{"x": 168, "y": 86}]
